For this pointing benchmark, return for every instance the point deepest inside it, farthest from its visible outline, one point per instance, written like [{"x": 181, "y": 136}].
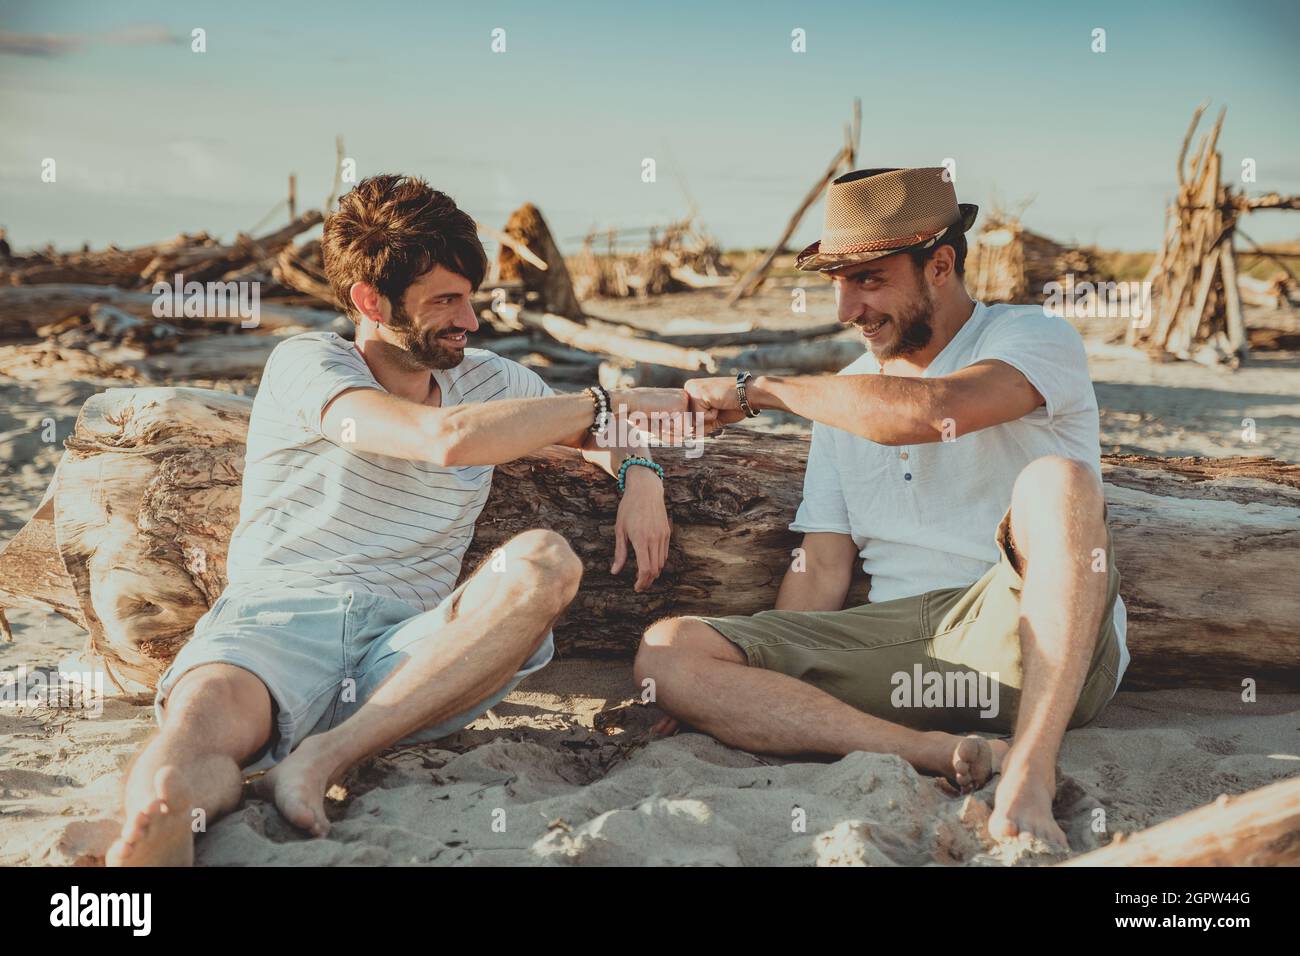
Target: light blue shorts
[{"x": 321, "y": 656}]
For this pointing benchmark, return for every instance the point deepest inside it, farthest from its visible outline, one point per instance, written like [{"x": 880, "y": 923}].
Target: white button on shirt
[{"x": 923, "y": 517}]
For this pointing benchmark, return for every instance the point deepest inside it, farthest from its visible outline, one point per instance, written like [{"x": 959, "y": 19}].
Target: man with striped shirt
[{"x": 342, "y": 630}]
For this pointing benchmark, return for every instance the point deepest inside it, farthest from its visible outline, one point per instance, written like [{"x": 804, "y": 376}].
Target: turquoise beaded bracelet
[{"x": 629, "y": 462}]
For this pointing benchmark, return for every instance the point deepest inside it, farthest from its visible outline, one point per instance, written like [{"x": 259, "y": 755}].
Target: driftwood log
[
  {"x": 526, "y": 229},
  {"x": 36, "y": 306},
  {"x": 1259, "y": 828},
  {"x": 599, "y": 337},
  {"x": 130, "y": 541},
  {"x": 798, "y": 357}
]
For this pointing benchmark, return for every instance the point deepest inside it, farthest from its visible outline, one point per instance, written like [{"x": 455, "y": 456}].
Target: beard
[
  {"x": 915, "y": 325},
  {"x": 423, "y": 347}
]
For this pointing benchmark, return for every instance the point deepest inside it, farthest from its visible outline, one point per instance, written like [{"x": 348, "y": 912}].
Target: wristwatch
[{"x": 741, "y": 379}]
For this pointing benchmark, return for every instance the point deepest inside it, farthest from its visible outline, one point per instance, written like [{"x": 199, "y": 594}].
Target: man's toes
[
  {"x": 298, "y": 813},
  {"x": 962, "y": 773},
  {"x": 1003, "y": 827},
  {"x": 1055, "y": 837},
  {"x": 972, "y": 763},
  {"x": 137, "y": 826},
  {"x": 302, "y": 814}
]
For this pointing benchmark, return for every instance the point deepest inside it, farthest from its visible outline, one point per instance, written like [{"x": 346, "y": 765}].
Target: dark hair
[
  {"x": 389, "y": 230},
  {"x": 955, "y": 236}
]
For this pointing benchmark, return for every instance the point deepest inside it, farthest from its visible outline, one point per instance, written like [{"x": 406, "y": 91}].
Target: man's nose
[
  {"x": 467, "y": 320},
  {"x": 849, "y": 304}
]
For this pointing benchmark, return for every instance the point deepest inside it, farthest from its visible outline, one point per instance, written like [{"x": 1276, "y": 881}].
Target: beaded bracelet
[
  {"x": 601, "y": 399},
  {"x": 631, "y": 460}
]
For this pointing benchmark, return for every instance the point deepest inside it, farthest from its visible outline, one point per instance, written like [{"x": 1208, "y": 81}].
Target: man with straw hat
[{"x": 958, "y": 460}]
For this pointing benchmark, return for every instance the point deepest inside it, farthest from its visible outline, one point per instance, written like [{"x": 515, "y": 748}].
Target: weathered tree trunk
[
  {"x": 527, "y": 228},
  {"x": 1259, "y": 828},
  {"x": 148, "y": 494}
]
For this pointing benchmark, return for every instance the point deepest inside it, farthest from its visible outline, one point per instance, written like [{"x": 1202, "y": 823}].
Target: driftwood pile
[
  {"x": 1009, "y": 263},
  {"x": 96, "y": 312},
  {"x": 130, "y": 541},
  {"x": 680, "y": 257},
  {"x": 1195, "y": 287},
  {"x": 198, "y": 256},
  {"x": 93, "y": 314}
]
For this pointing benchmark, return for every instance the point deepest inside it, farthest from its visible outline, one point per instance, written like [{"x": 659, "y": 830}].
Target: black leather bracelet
[{"x": 741, "y": 379}]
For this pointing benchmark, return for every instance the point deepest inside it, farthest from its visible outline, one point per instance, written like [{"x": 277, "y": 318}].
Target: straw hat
[{"x": 872, "y": 213}]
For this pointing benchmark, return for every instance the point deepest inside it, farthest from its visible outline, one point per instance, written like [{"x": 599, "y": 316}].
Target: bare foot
[
  {"x": 967, "y": 762},
  {"x": 157, "y": 833},
  {"x": 976, "y": 760},
  {"x": 297, "y": 786},
  {"x": 1023, "y": 806}
]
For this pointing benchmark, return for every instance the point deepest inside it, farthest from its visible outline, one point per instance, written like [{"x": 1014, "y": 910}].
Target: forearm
[
  {"x": 889, "y": 410},
  {"x": 492, "y": 433},
  {"x": 814, "y": 588},
  {"x": 483, "y": 433}
]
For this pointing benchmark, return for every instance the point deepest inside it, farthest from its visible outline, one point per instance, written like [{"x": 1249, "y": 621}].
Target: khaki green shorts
[{"x": 943, "y": 660}]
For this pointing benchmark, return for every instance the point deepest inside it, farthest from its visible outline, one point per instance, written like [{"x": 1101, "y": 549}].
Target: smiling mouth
[
  {"x": 871, "y": 328},
  {"x": 453, "y": 338}
]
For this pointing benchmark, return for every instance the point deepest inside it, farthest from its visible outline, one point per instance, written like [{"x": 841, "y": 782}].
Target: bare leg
[
  {"x": 216, "y": 717},
  {"x": 1056, "y": 523},
  {"x": 478, "y": 640},
  {"x": 702, "y": 678}
]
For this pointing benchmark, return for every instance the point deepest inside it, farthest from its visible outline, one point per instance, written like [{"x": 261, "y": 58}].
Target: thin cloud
[
  {"x": 37, "y": 44},
  {"x": 50, "y": 45}
]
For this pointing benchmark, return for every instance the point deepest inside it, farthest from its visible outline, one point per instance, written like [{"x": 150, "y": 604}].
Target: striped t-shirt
[{"x": 324, "y": 517}]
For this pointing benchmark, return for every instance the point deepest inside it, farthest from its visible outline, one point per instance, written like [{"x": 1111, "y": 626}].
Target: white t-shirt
[
  {"x": 325, "y": 517},
  {"x": 923, "y": 516}
]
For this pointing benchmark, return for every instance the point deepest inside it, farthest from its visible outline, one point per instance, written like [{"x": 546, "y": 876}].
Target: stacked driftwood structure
[
  {"x": 1195, "y": 287},
  {"x": 1010, "y": 263},
  {"x": 678, "y": 257}
]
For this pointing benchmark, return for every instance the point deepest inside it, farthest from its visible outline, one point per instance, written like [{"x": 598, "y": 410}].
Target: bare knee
[
  {"x": 219, "y": 703},
  {"x": 1055, "y": 478},
  {"x": 674, "y": 643},
  {"x": 1058, "y": 513},
  {"x": 546, "y": 561},
  {"x": 1054, "y": 493}
]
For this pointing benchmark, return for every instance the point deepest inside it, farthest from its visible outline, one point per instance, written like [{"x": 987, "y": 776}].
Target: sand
[{"x": 566, "y": 772}]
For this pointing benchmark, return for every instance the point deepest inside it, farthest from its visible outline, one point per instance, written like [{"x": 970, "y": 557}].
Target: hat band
[{"x": 875, "y": 245}]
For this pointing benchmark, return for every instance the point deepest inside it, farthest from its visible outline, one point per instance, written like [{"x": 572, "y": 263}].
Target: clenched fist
[{"x": 716, "y": 400}]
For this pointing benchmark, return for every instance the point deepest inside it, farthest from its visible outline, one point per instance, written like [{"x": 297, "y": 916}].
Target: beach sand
[{"x": 566, "y": 772}]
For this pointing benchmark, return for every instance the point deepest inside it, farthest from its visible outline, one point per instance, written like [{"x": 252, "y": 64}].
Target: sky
[{"x": 151, "y": 138}]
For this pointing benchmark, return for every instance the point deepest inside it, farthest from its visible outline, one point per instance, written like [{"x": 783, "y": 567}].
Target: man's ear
[
  {"x": 365, "y": 298},
  {"x": 941, "y": 265}
]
